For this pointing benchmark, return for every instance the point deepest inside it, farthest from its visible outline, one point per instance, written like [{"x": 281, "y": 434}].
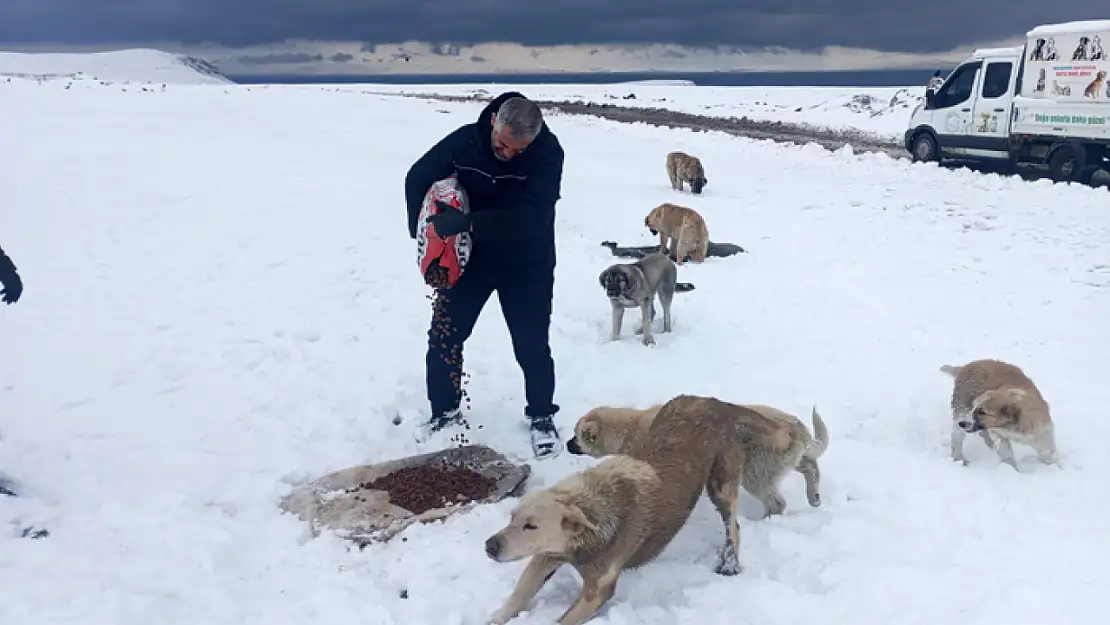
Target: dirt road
[{"x": 738, "y": 126}]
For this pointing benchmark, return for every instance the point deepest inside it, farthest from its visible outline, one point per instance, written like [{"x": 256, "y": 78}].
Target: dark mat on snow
[
  {"x": 7, "y": 487},
  {"x": 717, "y": 250}
]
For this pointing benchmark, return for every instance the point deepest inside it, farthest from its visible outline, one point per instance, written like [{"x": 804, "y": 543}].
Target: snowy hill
[{"x": 136, "y": 65}]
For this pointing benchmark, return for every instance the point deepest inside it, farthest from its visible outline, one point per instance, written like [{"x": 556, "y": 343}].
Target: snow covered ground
[
  {"x": 881, "y": 111},
  {"x": 221, "y": 298}
]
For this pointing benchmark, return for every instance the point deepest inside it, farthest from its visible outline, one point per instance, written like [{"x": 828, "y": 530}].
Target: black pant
[{"x": 526, "y": 306}]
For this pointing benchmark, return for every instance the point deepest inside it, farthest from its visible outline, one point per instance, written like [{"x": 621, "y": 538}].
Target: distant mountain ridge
[{"x": 135, "y": 65}]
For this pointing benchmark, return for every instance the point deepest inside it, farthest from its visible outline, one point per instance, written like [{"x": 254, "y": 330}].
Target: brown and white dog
[
  {"x": 1094, "y": 89},
  {"x": 999, "y": 402},
  {"x": 770, "y": 444}
]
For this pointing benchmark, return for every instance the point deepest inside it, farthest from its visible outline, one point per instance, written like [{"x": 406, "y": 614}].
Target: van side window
[
  {"x": 997, "y": 78},
  {"x": 959, "y": 86}
]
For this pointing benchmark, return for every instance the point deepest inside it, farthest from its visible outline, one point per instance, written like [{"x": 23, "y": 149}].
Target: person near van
[
  {"x": 9, "y": 294},
  {"x": 511, "y": 166},
  {"x": 9, "y": 279}
]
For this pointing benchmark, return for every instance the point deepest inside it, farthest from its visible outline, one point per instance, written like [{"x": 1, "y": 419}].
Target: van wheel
[
  {"x": 924, "y": 148},
  {"x": 1064, "y": 164}
]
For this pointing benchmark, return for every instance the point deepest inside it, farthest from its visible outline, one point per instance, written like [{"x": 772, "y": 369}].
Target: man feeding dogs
[{"x": 511, "y": 167}]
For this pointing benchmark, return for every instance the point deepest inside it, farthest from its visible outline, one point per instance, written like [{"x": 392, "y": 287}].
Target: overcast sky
[{"x": 918, "y": 26}]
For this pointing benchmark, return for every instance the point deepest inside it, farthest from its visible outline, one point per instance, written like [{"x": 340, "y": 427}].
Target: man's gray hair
[{"x": 521, "y": 116}]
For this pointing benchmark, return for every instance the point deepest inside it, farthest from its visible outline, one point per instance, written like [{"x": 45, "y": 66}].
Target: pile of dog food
[
  {"x": 422, "y": 488},
  {"x": 436, "y": 276}
]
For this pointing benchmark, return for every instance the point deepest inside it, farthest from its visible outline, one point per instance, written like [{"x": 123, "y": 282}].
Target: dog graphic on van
[
  {"x": 1081, "y": 51},
  {"x": 1096, "y": 49},
  {"x": 1096, "y": 86},
  {"x": 1043, "y": 50},
  {"x": 1038, "y": 50}
]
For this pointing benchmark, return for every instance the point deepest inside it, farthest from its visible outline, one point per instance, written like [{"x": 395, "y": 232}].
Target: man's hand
[{"x": 449, "y": 221}]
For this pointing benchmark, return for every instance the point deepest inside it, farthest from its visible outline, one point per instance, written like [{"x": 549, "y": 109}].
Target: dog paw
[
  {"x": 498, "y": 618},
  {"x": 648, "y": 341},
  {"x": 728, "y": 569}
]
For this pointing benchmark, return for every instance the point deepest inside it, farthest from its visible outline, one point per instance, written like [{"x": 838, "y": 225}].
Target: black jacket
[
  {"x": 512, "y": 203},
  {"x": 8, "y": 276}
]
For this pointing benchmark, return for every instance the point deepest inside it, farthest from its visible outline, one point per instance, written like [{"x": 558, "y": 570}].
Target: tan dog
[
  {"x": 683, "y": 168},
  {"x": 773, "y": 443},
  {"x": 600, "y": 521},
  {"x": 686, "y": 229},
  {"x": 997, "y": 400},
  {"x": 631, "y": 508},
  {"x": 1095, "y": 88}
]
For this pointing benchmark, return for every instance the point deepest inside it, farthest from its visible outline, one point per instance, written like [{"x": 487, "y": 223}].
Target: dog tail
[
  {"x": 703, "y": 250},
  {"x": 689, "y": 231},
  {"x": 950, "y": 370},
  {"x": 820, "y": 437}
]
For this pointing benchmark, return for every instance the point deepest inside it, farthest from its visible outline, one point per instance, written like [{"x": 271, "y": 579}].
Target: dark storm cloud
[
  {"x": 917, "y": 26},
  {"x": 280, "y": 58}
]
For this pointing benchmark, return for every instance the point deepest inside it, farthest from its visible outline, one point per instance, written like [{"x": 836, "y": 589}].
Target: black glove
[
  {"x": 11, "y": 292},
  {"x": 449, "y": 220}
]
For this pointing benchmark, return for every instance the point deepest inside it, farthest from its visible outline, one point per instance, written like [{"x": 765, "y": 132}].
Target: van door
[
  {"x": 990, "y": 123},
  {"x": 951, "y": 106}
]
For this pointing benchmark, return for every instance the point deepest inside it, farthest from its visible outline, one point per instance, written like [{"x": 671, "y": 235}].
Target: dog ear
[
  {"x": 1010, "y": 411},
  {"x": 575, "y": 521}
]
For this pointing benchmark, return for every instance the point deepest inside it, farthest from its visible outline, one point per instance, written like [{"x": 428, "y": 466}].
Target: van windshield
[{"x": 957, "y": 89}]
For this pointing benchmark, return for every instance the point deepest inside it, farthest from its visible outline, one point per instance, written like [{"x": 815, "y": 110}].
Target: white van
[{"x": 1045, "y": 103}]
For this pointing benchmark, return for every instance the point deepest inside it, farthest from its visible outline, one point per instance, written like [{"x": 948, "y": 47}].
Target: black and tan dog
[
  {"x": 636, "y": 285},
  {"x": 683, "y": 168}
]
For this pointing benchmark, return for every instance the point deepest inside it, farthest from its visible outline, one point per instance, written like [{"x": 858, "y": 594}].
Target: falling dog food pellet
[{"x": 436, "y": 277}]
